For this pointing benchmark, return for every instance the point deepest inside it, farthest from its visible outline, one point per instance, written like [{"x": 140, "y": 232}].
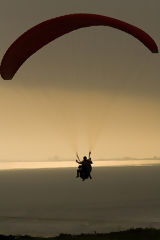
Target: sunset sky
[{"x": 93, "y": 89}]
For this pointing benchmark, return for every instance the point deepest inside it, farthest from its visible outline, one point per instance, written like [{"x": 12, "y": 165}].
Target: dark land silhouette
[{"x": 131, "y": 234}]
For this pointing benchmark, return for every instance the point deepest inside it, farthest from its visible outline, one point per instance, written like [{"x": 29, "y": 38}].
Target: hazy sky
[{"x": 93, "y": 88}]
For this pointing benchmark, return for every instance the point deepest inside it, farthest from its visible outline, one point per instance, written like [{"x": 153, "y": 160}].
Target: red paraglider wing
[{"x": 45, "y": 32}]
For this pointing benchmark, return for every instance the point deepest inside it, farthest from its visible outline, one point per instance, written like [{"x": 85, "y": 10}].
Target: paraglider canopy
[{"x": 45, "y": 32}]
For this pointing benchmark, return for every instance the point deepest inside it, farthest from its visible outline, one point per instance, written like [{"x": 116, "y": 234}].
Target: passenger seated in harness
[{"x": 84, "y": 168}]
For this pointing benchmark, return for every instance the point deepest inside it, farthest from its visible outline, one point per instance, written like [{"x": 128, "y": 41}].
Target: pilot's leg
[
  {"x": 78, "y": 173},
  {"x": 90, "y": 174}
]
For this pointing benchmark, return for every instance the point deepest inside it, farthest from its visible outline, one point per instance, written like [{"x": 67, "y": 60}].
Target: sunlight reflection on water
[{"x": 68, "y": 164}]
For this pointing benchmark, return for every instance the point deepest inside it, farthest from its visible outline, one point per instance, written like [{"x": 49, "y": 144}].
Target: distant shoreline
[{"x": 155, "y": 158}]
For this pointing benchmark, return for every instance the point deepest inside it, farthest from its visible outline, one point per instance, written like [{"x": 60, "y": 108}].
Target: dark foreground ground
[{"x": 132, "y": 234}]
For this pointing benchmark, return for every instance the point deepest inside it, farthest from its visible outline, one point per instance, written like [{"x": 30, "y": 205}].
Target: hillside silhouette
[{"x": 131, "y": 234}]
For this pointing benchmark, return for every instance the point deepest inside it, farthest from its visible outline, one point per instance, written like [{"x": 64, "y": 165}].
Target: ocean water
[{"x": 46, "y": 202}]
